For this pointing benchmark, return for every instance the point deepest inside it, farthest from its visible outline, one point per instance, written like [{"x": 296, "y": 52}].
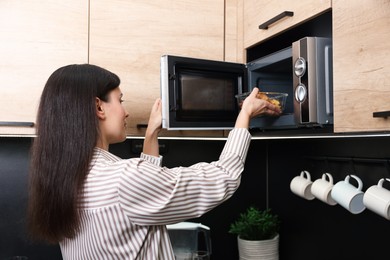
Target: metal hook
[
  {"x": 353, "y": 165},
  {"x": 387, "y": 165},
  {"x": 327, "y": 166}
]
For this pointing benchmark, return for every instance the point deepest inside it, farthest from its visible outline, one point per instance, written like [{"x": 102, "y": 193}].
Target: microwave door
[
  {"x": 273, "y": 73},
  {"x": 199, "y": 94}
]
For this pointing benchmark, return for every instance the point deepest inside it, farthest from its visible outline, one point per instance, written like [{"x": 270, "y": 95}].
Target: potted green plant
[{"x": 257, "y": 234}]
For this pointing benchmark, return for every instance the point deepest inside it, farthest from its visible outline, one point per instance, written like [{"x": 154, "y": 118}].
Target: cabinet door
[
  {"x": 257, "y": 12},
  {"x": 37, "y": 37},
  {"x": 234, "y": 42},
  {"x": 361, "y": 66},
  {"x": 129, "y": 37}
]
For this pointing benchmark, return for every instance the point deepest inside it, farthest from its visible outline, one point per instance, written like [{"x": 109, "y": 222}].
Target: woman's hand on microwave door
[
  {"x": 254, "y": 106},
  {"x": 154, "y": 126},
  {"x": 155, "y": 118}
]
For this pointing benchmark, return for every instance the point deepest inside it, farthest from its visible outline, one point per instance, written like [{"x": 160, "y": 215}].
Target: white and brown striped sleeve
[
  {"x": 152, "y": 159},
  {"x": 151, "y": 195}
]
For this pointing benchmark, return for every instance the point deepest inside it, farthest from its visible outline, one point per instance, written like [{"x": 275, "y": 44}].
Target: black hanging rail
[{"x": 349, "y": 159}]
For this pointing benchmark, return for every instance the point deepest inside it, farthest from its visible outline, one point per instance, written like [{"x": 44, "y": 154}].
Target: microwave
[{"x": 199, "y": 94}]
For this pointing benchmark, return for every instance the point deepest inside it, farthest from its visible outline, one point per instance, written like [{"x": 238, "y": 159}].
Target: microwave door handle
[{"x": 328, "y": 81}]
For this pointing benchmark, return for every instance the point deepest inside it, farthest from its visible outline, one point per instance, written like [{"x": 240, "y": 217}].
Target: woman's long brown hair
[{"x": 67, "y": 132}]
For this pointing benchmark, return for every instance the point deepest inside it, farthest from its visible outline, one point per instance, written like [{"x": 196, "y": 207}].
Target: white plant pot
[{"x": 259, "y": 249}]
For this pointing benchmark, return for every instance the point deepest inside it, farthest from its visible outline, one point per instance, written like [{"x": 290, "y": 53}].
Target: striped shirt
[{"x": 126, "y": 204}]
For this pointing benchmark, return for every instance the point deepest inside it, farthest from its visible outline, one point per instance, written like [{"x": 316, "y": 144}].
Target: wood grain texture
[
  {"x": 234, "y": 31},
  {"x": 36, "y": 38},
  {"x": 361, "y": 67},
  {"x": 129, "y": 37},
  {"x": 257, "y": 12}
]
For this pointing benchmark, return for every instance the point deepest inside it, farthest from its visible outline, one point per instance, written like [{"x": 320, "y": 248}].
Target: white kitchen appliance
[{"x": 186, "y": 237}]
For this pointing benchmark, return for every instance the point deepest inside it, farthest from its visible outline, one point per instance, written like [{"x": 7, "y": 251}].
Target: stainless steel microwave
[{"x": 199, "y": 94}]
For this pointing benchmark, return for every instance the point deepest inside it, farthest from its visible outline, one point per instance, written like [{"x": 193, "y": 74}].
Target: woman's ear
[{"x": 99, "y": 109}]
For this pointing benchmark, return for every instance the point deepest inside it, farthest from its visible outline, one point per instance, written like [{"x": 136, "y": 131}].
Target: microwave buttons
[
  {"x": 300, "y": 93},
  {"x": 300, "y": 67}
]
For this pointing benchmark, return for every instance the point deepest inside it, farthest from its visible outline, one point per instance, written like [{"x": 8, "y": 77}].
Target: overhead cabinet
[
  {"x": 129, "y": 37},
  {"x": 361, "y": 66},
  {"x": 126, "y": 37},
  {"x": 37, "y": 37},
  {"x": 361, "y": 52},
  {"x": 266, "y": 18}
]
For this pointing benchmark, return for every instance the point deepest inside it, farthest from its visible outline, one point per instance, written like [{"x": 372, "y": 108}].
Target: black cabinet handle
[
  {"x": 142, "y": 125},
  {"x": 384, "y": 114},
  {"x": 22, "y": 124},
  {"x": 265, "y": 25}
]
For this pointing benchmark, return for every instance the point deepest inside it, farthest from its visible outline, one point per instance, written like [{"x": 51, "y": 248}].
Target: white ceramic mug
[
  {"x": 377, "y": 199},
  {"x": 301, "y": 185},
  {"x": 322, "y": 188},
  {"x": 348, "y": 195}
]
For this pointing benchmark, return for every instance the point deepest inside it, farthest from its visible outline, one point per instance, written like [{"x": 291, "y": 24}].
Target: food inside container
[{"x": 276, "y": 98}]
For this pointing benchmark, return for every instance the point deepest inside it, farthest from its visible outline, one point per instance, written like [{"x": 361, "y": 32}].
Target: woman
[{"x": 98, "y": 206}]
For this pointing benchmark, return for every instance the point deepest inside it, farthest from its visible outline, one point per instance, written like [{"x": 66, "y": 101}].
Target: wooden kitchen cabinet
[
  {"x": 361, "y": 64},
  {"x": 36, "y": 38},
  {"x": 361, "y": 52},
  {"x": 257, "y": 12},
  {"x": 129, "y": 37}
]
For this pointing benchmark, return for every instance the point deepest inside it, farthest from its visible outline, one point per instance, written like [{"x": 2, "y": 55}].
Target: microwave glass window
[
  {"x": 206, "y": 96},
  {"x": 202, "y": 94}
]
